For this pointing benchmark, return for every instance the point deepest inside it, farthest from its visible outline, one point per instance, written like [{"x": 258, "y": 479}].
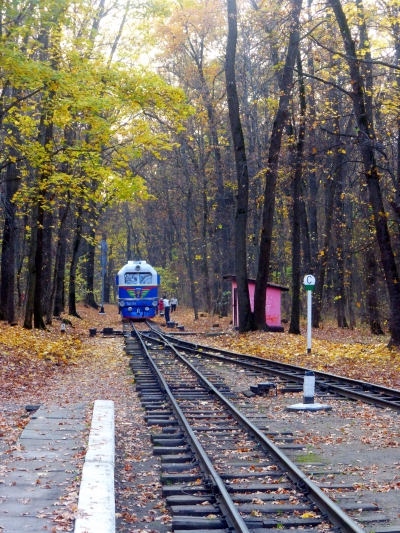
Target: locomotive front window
[
  {"x": 145, "y": 278},
  {"x": 131, "y": 278}
]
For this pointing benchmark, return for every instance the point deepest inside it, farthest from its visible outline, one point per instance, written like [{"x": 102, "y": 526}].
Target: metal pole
[
  {"x": 102, "y": 294},
  {"x": 103, "y": 263},
  {"x": 309, "y": 319}
]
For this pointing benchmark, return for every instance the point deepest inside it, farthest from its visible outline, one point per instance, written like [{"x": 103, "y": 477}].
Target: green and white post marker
[{"x": 309, "y": 284}]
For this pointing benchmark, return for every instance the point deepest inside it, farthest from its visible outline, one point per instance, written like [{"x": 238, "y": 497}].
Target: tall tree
[
  {"x": 271, "y": 172},
  {"x": 296, "y": 188},
  {"x": 8, "y": 248},
  {"x": 245, "y": 314},
  {"x": 367, "y": 138}
]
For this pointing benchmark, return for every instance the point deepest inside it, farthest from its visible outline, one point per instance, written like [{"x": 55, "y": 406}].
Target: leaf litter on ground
[
  {"x": 54, "y": 368},
  {"x": 353, "y": 353}
]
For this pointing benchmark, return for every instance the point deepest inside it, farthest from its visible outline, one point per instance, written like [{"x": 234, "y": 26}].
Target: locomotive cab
[{"x": 137, "y": 284}]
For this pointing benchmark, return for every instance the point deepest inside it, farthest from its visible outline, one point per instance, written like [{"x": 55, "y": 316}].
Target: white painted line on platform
[{"x": 96, "y": 505}]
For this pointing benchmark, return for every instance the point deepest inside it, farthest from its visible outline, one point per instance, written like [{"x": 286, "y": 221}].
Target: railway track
[
  {"x": 291, "y": 377},
  {"x": 220, "y": 469}
]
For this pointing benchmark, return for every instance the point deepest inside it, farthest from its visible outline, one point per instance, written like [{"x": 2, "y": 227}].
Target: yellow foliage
[
  {"x": 37, "y": 344},
  {"x": 309, "y": 515}
]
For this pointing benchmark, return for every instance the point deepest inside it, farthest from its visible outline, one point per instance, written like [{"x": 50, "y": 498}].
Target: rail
[
  {"x": 232, "y": 515},
  {"x": 355, "y": 389},
  {"x": 338, "y": 517}
]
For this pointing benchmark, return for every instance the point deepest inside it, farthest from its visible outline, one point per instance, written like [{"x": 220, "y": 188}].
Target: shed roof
[{"x": 273, "y": 285}]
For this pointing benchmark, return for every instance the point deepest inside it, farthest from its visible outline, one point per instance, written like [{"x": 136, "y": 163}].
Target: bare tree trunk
[
  {"x": 7, "y": 299},
  {"x": 323, "y": 255},
  {"x": 372, "y": 296},
  {"x": 272, "y": 170},
  {"x": 340, "y": 298},
  {"x": 90, "y": 263},
  {"x": 350, "y": 299},
  {"x": 55, "y": 306},
  {"x": 74, "y": 264},
  {"x": 59, "y": 301},
  {"x": 109, "y": 279},
  {"x": 189, "y": 257},
  {"x": 20, "y": 261},
  {"x": 129, "y": 253},
  {"x": 394, "y": 10},
  {"x": 220, "y": 242},
  {"x": 245, "y": 315},
  {"x": 324, "y": 252},
  {"x": 206, "y": 273},
  {"x": 366, "y": 137},
  {"x": 312, "y": 170},
  {"x": 48, "y": 221},
  {"x": 45, "y": 139},
  {"x": 30, "y": 292},
  {"x": 296, "y": 240},
  {"x": 305, "y": 234},
  {"x": 38, "y": 321}
]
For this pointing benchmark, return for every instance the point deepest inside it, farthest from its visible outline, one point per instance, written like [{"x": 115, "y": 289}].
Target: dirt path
[{"x": 100, "y": 372}]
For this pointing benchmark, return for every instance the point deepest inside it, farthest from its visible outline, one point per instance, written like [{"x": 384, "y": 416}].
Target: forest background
[{"x": 209, "y": 138}]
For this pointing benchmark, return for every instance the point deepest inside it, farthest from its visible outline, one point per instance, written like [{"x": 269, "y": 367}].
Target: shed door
[{"x": 235, "y": 308}]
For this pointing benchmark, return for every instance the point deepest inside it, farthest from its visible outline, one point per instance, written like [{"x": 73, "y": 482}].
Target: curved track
[
  {"x": 220, "y": 470},
  {"x": 292, "y": 377}
]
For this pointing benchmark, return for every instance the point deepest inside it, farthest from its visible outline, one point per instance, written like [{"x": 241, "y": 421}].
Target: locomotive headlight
[
  {"x": 147, "y": 308},
  {"x": 129, "y": 308},
  {"x": 121, "y": 303},
  {"x": 154, "y": 304}
]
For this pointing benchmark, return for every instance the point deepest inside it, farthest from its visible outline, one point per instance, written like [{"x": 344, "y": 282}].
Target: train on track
[{"x": 137, "y": 285}]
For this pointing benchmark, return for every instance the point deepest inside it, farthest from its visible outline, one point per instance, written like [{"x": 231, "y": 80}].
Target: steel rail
[
  {"x": 324, "y": 503},
  {"x": 296, "y": 373},
  {"x": 225, "y": 502}
]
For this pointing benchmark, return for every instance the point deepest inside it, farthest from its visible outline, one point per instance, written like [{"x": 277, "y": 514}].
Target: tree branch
[
  {"x": 18, "y": 100},
  {"x": 345, "y": 56},
  {"x": 327, "y": 82}
]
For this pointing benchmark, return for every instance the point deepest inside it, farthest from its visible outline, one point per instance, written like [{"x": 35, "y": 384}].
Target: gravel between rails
[{"x": 360, "y": 441}]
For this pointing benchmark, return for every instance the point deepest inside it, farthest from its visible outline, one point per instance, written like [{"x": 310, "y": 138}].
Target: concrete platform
[
  {"x": 96, "y": 506},
  {"x": 36, "y": 476}
]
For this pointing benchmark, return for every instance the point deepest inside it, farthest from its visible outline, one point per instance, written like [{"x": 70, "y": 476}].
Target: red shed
[{"x": 272, "y": 303}]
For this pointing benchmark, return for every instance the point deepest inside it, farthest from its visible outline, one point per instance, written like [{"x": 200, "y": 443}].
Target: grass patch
[{"x": 308, "y": 458}]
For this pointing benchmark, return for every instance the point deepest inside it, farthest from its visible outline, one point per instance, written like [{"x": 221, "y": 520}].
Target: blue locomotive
[{"x": 137, "y": 284}]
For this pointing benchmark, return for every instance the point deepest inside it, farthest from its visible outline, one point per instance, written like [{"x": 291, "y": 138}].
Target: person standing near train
[
  {"x": 161, "y": 307},
  {"x": 174, "y": 303},
  {"x": 167, "y": 307}
]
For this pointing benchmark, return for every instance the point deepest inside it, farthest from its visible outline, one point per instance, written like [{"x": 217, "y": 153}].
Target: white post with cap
[
  {"x": 309, "y": 378},
  {"x": 309, "y": 284}
]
